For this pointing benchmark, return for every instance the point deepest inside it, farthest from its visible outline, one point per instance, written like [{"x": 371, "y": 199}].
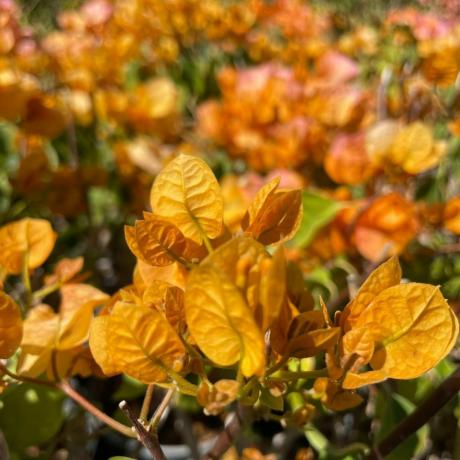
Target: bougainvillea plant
[{"x": 204, "y": 297}]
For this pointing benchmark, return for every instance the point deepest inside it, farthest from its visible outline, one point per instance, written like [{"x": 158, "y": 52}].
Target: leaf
[
  {"x": 273, "y": 287},
  {"x": 10, "y": 326},
  {"x": 214, "y": 398},
  {"x": 169, "y": 300},
  {"x": 187, "y": 192},
  {"x": 313, "y": 342},
  {"x": 334, "y": 397},
  {"x": 156, "y": 241},
  {"x": 318, "y": 211},
  {"x": 353, "y": 380},
  {"x": 347, "y": 161},
  {"x": 142, "y": 343},
  {"x": 65, "y": 270},
  {"x": 385, "y": 227},
  {"x": 174, "y": 274},
  {"x": 384, "y": 276},
  {"x": 34, "y": 237},
  {"x": 413, "y": 326},
  {"x": 40, "y": 410},
  {"x": 98, "y": 344},
  {"x": 221, "y": 322},
  {"x": 47, "y": 332},
  {"x": 414, "y": 148},
  {"x": 275, "y": 215},
  {"x": 258, "y": 201}
]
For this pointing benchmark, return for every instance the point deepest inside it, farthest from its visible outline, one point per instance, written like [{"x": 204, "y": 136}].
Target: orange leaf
[
  {"x": 10, "y": 326},
  {"x": 31, "y": 238}
]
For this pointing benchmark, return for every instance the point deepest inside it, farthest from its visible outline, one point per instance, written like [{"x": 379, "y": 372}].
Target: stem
[
  {"x": 77, "y": 397},
  {"x": 147, "y": 403},
  {"x": 225, "y": 438},
  {"x": 83, "y": 402},
  {"x": 427, "y": 409},
  {"x": 184, "y": 385},
  {"x": 277, "y": 366},
  {"x": 155, "y": 420},
  {"x": 26, "y": 280},
  {"x": 25, "y": 379},
  {"x": 46, "y": 290},
  {"x": 148, "y": 439}
]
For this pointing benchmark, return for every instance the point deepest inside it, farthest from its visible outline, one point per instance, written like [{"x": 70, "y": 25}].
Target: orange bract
[{"x": 26, "y": 239}]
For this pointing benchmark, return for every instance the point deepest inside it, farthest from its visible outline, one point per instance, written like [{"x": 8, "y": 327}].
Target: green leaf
[
  {"x": 30, "y": 415},
  {"x": 318, "y": 211},
  {"x": 393, "y": 409}
]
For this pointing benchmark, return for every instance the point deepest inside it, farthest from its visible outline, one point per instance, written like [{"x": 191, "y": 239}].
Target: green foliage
[
  {"x": 318, "y": 211},
  {"x": 30, "y": 415}
]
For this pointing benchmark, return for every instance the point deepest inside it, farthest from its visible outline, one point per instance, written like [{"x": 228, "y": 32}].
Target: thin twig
[
  {"x": 148, "y": 438},
  {"x": 161, "y": 408},
  {"x": 427, "y": 409},
  {"x": 66, "y": 388},
  {"x": 225, "y": 439},
  {"x": 83, "y": 402},
  {"x": 145, "y": 410}
]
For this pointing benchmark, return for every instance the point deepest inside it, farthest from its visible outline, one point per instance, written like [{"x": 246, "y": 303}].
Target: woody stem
[
  {"x": 148, "y": 438},
  {"x": 427, "y": 409}
]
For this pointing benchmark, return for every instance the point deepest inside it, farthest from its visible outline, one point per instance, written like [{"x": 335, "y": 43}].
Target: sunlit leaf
[
  {"x": 10, "y": 326},
  {"x": 275, "y": 215},
  {"x": 409, "y": 320},
  {"x": 142, "y": 343},
  {"x": 34, "y": 237},
  {"x": 187, "y": 192},
  {"x": 221, "y": 322}
]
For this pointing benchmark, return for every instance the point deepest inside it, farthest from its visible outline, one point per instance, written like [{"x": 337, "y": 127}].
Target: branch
[
  {"x": 437, "y": 399},
  {"x": 148, "y": 438},
  {"x": 225, "y": 438},
  {"x": 66, "y": 388},
  {"x": 87, "y": 405}
]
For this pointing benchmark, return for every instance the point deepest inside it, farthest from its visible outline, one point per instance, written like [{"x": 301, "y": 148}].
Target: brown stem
[
  {"x": 437, "y": 399},
  {"x": 225, "y": 438},
  {"x": 77, "y": 397},
  {"x": 6, "y": 371},
  {"x": 83, "y": 402},
  {"x": 148, "y": 438}
]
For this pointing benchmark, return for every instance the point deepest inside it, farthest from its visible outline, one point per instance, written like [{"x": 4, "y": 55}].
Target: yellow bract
[
  {"x": 411, "y": 147},
  {"x": 386, "y": 275},
  {"x": 187, "y": 192},
  {"x": 10, "y": 326},
  {"x": 31, "y": 238},
  {"x": 274, "y": 215},
  {"x": 414, "y": 328},
  {"x": 221, "y": 322},
  {"x": 140, "y": 342},
  {"x": 47, "y": 332},
  {"x": 159, "y": 242},
  {"x": 401, "y": 330}
]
